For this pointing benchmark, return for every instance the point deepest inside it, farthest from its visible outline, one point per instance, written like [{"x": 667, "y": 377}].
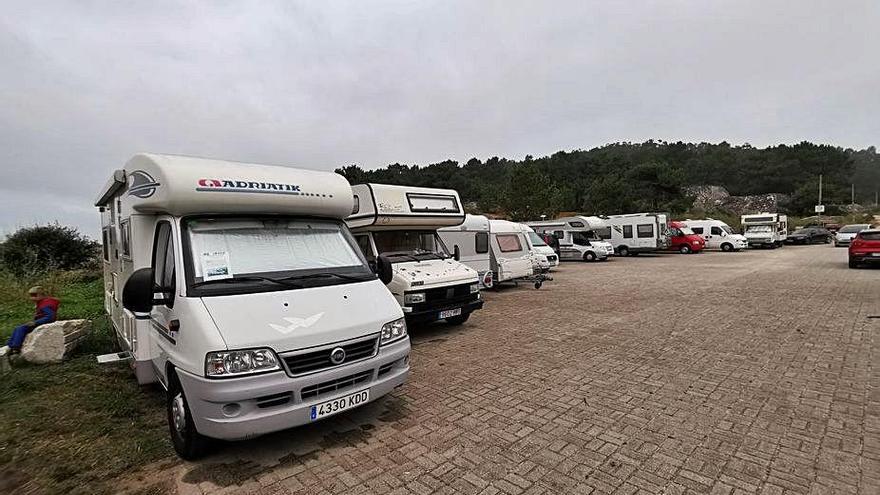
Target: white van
[
  {"x": 576, "y": 239},
  {"x": 471, "y": 239},
  {"x": 633, "y": 233},
  {"x": 543, "y": 256},
  {"x": 398, "y": 225},
  {"x": 511, "y": 257},
  {"x": 718, "y": 235},
  {"x": 765, "y": 229},
  {"x": 239, "y": 288}
]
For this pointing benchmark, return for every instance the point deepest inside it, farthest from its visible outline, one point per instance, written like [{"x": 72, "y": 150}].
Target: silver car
[{"x": 846, "y": 233}]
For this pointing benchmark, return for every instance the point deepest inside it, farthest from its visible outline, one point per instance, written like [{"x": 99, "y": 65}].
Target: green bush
[{"x": 43, "y": 248}]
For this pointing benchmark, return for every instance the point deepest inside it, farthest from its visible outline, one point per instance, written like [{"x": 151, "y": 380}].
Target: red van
[{"x": 683, "y": 239}]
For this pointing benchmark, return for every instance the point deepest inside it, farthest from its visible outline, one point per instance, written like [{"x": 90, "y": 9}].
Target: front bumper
[
  {"x": 207, "y": 397},
  {"x": 842, "y": 242},
  {"x": 433, "y": 314}
]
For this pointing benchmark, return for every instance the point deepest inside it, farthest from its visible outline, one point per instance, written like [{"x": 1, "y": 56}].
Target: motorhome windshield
[
  {"x": 236, "y": 255},
  {"x": 757, "y": 229},
  {"x": 410, "y": 243},
  {"x": 536, "y": 240}
]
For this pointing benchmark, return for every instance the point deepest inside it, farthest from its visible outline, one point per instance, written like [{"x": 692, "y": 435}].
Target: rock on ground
[{"x": 51, "y": 342}]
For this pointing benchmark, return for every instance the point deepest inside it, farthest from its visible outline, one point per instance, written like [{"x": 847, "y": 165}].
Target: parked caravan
[
  {"x": 511, "y": 256},
  {"x": 765, "y": 229},
  {"x": 471, "y": 239},
  {"x": 717, "y": 234},
  {"x": 543, "y": 256},
  {"x": 398, "y": 225},
  {"x": 239, "y": 288},
  {"x": 683, "y": 239},
  {"x": 633, "y": 233},
  {"x": 575, "y": 238}
]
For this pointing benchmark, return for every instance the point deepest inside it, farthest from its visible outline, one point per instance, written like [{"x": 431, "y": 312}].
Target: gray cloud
[{"x": 84, "y": 86}]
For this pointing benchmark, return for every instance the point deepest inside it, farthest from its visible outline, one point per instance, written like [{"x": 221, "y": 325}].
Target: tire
[
  {"x": 188, "y": 442},
  {"x": 589, "y": 256},
  {"x": 727, "y": 247},
  {"x": 684, "y": 249},
  {"x": 458, "y": 320},
  {"x": 853, "y": 263},
  {"x": 623, "y": 251}
]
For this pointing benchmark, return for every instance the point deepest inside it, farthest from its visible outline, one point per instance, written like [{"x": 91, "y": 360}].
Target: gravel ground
[{"x": 750, "y": 372}]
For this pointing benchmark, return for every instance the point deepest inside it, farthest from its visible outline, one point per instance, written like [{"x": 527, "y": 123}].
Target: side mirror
[
  {"x": 384, "y": 269},
  {"x": 456, "y": 253},
  {"x": 137, "y": 294}
]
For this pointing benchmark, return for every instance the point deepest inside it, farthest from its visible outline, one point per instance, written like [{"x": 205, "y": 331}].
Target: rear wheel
[
  {"x": 589, "y": 256},
  {"x": 727, "y": 247},
  {"x": 623, "y": 251},
  {"x": 188, "y": 443},
  {"x": 458, "y": 320},
  {"x": 853, "y": 263},
  {"x": 684, "y": 249}
]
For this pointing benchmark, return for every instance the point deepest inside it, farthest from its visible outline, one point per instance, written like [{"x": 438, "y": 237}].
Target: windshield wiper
[
  {"x": 249, "y": 278},
  {"x": 356, "y": 278},
  {"x": 401, "y": 255}
]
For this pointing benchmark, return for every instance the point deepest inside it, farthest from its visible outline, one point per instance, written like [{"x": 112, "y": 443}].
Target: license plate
[
  {"x": 450, "y": 312},
  {"x": 334, "y": 406}
]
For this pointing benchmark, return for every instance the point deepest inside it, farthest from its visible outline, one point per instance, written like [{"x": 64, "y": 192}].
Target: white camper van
[
  {"x": 765, "y": 229},
  {"x": 633, "y": 233},
  {"x": 577, "y": 239},
  {"x": 471, "y": 239},
  {"x": 718, "y": 235},
  {"x": 399, "y": 224},
  {"x": 239, "y": 288},
  {"x": 543, "y": 256}
]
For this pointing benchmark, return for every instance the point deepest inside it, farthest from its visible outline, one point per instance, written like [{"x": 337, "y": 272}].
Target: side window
[
  {"x": 105, "y": 242},
  {"x": 627, "y": 231},
  {"x": 163, "y": 262},
  {"x": 364, "y": 243},
  {"x": 715, "y": 231},
  {"x": 697, "y": 230},
  {"x": 125, "y": 232},
  {"x": 645, "y": 230},
  {"x": 481, "y": 242},
  {"x": 559, "y": 234},
  {"x": 508, "y": 243}
]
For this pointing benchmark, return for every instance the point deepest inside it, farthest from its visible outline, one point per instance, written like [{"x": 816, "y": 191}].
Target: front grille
[
  {"x": 334, "y": 385},
  {"x": 443, "y": 297},
  {"x": 308, "y": 362},
  {"x": 274, "y": 400}
]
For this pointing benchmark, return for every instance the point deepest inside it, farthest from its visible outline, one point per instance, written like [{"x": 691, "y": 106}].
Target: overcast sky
[{"x": 85, "y": 85}]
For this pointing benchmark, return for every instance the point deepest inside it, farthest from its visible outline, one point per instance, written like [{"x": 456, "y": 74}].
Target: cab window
[
  {"x": 697, "y": 230},
  {"x": 164, "y": 276},
  {"x": 363, "y": 242},
  {"x": 716, "y": 231}
]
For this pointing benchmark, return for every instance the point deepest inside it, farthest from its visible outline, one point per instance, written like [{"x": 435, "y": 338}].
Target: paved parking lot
[{"x": 752, "y": 372}]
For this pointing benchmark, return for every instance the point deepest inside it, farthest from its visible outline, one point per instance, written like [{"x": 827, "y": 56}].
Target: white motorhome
[
  {"x": 399, "y": 224},
  {"x": 718, "y": 235},
  {"x": 544, "y": 257},
  {"x": 576, "y": 238},
  {"x": 239, "y": 288},
  {"x": 471, "y": 239},
  {"x": 511, "y": 257},
  {"x": 765, "y": 229},
  {"x": 633, "y": 233}
]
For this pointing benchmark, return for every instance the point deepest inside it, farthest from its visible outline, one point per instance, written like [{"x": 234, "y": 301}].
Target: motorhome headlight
[
  {"x": 476, "y": 287},
  {"x": 236, "y": 363},
  {"x": 413, "y": 298},
  {"x": 393, "y": 331}
]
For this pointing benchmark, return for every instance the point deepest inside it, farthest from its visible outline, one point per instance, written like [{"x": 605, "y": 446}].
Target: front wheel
[
  {"x": 188, "y": 442},
  {"x": 589, "y": 256},
  {"x": 458, "y": 320},
  {"x": 684, "y": 249},
  {"x": 727, "y": 247}
]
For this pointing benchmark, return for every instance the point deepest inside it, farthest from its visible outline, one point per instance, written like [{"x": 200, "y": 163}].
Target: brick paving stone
[{"x": 751, "y": 372}]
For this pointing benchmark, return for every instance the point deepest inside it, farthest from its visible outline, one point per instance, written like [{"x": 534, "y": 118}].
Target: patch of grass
[{"x": 74, "y": 427}]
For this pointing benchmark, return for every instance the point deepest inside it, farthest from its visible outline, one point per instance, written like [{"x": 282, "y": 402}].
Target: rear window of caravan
[
  {"x": 432, "y": 203},
  {"x": 508, "y": 243}
]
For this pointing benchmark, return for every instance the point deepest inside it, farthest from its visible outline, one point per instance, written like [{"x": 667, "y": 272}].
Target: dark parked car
[
  {"x": 865, "y": 248},
  {"x": 809, "y": 235}
]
